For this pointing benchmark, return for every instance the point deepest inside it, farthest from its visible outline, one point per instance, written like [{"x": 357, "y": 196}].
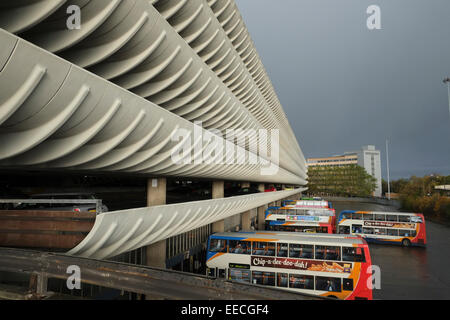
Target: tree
[
  {"x": 347, "y": 180},
  {"x": 417, "y": 194}
]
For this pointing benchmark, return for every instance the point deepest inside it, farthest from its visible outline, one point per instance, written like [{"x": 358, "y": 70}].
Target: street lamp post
[
  {"x": 447, "y": 81},
  {"x": 387, "y": 164}
]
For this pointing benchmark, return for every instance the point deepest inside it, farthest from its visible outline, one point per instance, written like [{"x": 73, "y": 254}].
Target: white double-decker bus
[
  {"x": 328, "y": 265},
  {"x": 384, "y": 227},
  {"x": 307, "y": 203},
  {"x": 312, "y": 220}
]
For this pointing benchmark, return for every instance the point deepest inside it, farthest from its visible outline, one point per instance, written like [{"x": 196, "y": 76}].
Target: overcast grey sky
[{"x": 343, "y": 86}]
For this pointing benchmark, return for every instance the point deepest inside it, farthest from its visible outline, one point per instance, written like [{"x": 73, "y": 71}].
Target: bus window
[
  {"x": 307, "y": 251},
  {"x": 344, "y": 229},
  {"x": 328, "y": 253},
  {"x": 380, "y": 231},
  {"x": 257, "y": 277},
  {"x": 240, "y": 275},
  {"x": 333, "y": 253},
  {"x": 353, "y": 254},
  {"x": 407, "y": 233},
  {"x": 263, "y": 248},
  {"x": 403, "y": 218},
  {"x": 320, "y": 252},
  {"x": 294, "y": 250},
  {"x": 346, "y": 215},
  {"x": 239, "y": 247},
  {"x": 258, "y": 248},
  {"x": 357, "y": 216},
  {"x": 380, "y": 217},
  {"x": 368, "y": 216},
  {"x": 263, "y": 278},
  {"x": 211, "y": 272},
  {"x": 348, "y": 284},
  {"x": 391, "y": 217},
  {"x": 301, "y": 281},
  {"x": 328, "y": 284},
  {"x": 269, "y": 278},
  {"x": 392, "y": 232},
  {"x": 218, "y": 245},
  {"x": 356, "y": 228},
  {"x": 282, "y": 249},
  {"x": 270, "y": 250},
  {"x": 282, "y": 280},
  {"x": 301, "y": 251},
  {"x": 367, "y": 230}
]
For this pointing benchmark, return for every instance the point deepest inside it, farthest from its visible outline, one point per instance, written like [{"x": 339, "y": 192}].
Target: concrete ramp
[{"x": 117, "y": 232}]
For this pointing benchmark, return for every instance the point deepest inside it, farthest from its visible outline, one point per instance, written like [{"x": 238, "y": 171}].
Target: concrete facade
[
  {"x": 159, "y": 68},
  {"x": 111, "y": 96}
]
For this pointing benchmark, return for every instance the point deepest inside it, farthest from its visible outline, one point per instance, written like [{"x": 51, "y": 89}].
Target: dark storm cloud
[{"x": 343, "y": 86}]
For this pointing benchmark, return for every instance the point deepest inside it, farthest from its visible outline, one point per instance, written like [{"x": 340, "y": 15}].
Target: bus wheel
[
  {"x": 406, "y": 242},
  {"x": 332, "y": 297}
]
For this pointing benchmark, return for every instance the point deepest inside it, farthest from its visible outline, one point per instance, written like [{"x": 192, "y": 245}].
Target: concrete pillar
[
  {"x": 218, "y": 192},
  {"x": 156, "y": 195},
  {"x": 156, "y": 254},
  {"x": 233, "y": 223},
  {"x": 261, "y": 217},
  {"x": 218, "y": 189},
  {"x": 218, "y": 226},
  {"x": 261, "y": 211},
  {"x": 156, "y": 192},
  {"x": 246, "y": 220}
]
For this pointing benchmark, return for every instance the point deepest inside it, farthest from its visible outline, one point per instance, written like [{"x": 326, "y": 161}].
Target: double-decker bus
[
  {"x": 384, "y": 227},
  {"x": 307, "y": 203},
  {"x": 328, "y": 265},
  {"x": 313, "y": 220}
]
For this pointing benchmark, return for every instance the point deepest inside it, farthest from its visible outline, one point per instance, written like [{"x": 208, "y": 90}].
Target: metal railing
[{"x": 155, "y": 283}]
